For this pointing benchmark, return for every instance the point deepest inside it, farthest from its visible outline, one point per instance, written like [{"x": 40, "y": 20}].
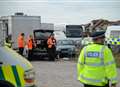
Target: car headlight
[{"x": 29, "y": 77}]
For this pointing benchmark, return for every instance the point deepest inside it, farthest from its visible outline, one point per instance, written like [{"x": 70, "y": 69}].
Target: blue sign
[{"x": 93, "y": 54}]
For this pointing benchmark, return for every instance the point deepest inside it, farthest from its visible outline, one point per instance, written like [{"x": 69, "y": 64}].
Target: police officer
[
  {"x": 8, "y": 42},
  {"x": 96, "y": 66}
]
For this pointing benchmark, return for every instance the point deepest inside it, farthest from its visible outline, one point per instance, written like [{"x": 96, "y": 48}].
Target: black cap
[{"x": 98, "y": 34}]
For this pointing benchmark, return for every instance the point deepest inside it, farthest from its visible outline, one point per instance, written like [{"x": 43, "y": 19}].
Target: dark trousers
[
  {"x": 85, "y": 85},
  {"x": 21, "y": 49},
  {"x": 30, "y": 54},
  {"x": 52, "y": 54}
]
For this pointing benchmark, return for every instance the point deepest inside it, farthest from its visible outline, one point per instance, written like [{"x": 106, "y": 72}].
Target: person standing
[
  {"x": 21, "y": 43},
  {"x": 51, "y": 42},
  {"x": 30, "y": 45},
  {"x": 96, "y": 65},
  {"x": 8, "y": 42}
]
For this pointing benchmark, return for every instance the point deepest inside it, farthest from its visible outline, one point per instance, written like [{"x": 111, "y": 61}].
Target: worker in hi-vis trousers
[{"x": 96, "y": 65}]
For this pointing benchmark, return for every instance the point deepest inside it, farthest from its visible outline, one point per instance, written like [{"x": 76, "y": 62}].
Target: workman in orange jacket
[
  {"x": 51, "y": 42},
  {"x": 30, "y": 45},
  {"x": 21, "y": 43}
]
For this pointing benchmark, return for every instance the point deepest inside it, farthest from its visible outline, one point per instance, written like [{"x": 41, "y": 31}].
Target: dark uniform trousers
[
  {"x": 30, "y": 54},
  {"x": 52, "y": 53},
  {"x": 21, "y": 49}
]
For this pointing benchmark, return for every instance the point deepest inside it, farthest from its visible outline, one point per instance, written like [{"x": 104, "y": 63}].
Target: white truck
[{"x": 18, "y": 23}]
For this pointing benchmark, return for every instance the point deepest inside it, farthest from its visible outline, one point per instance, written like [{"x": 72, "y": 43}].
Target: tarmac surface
[{"x": 58, "y": 74}]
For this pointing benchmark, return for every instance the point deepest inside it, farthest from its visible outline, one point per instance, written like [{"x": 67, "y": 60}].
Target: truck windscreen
[{"x": 73, "y": 31}]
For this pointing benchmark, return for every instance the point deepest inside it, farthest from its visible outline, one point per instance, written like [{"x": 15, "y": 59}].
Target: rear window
[
  {"x": 42, "y": 35},
  {"x": 115, "y": 34}
]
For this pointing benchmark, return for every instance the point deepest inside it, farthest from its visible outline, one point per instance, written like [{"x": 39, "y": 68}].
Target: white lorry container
[{"x": 18, "y": 23}]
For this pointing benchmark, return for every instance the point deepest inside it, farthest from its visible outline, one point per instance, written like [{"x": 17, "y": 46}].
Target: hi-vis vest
[
  {"x": 13, "y": 74},
  {"x": 50, "y": 42},
  {"x": 96, "y": 65},
  {"x": 20, "y": 41},
  {"x": 30, "y": 43}
]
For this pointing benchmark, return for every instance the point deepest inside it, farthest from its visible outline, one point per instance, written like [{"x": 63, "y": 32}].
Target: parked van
[{"x": 113, "y": 35}]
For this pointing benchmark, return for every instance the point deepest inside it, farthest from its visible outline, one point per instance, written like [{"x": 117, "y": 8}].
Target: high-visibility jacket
[
  {"x": 8, "y": 44},
  {"x": 96, "y": 65},
  {"x": 20, "y": 41},
  {"x": 30, "y": 43},
  {"x": 51, "y": 42}
]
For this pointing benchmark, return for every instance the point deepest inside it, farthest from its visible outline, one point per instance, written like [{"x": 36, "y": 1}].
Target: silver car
[{"x": 65, "y": 48}]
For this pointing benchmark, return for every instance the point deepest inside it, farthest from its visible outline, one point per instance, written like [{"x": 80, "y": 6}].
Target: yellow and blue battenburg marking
[
  {"x": 113, "y": 41},
  {"x": 13, "y": 74}
]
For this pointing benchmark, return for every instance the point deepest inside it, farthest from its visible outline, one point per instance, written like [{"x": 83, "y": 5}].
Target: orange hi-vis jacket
[
  {"x": 21, "y": 42},
  {"x": 30, "y": 43},
  {"x": 50, "y": 42}
]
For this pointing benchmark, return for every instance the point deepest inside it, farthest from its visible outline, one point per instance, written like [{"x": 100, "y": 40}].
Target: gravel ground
[{"x": 57, "y": 74}]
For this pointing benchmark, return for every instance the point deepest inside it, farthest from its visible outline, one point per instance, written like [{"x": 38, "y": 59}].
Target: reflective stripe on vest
[
  {"x": 98, "y": 64},
  {"x": 96, "y": 80},
  {"x": 90, "y": 79},
  {"x": 113, "y": 79},
  {"x": 12, "y": 74},
  {"x": 101, "y": 57}
]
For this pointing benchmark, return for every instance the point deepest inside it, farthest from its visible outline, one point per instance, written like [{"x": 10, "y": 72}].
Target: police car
[
  {"x": 15, "y": 71},
  {"x": 112, "y": 35}
]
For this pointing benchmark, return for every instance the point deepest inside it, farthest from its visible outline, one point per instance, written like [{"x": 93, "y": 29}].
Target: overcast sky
[{"x": 64, "y": 11}]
